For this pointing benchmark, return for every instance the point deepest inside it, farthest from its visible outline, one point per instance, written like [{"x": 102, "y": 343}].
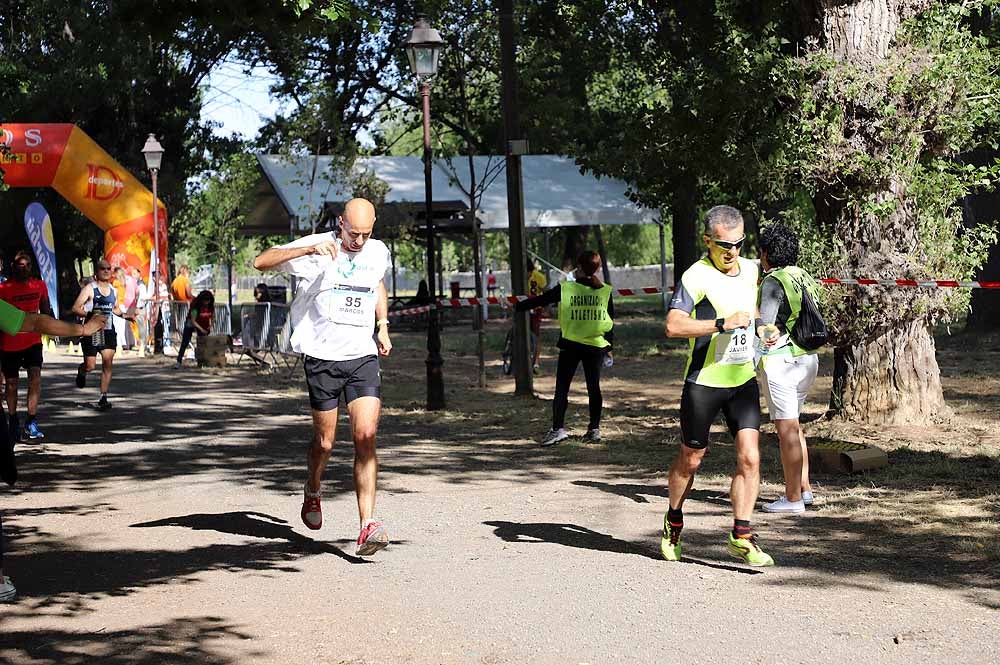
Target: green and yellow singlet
[{"x": 719, "y": 360}]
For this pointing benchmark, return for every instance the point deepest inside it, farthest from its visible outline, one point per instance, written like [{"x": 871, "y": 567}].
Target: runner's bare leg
[
  {"x": 364, "y": 412},
  {"x": 324, "y": 430}
]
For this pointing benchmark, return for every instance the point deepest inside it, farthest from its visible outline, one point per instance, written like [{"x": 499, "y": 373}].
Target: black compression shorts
[
  {"x": 327, "y": 379},
  {"x": 13, "y": 361},
  {"x": 701, "y": 404}
]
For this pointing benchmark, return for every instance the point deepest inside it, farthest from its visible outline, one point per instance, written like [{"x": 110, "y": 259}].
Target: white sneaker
[
  {"x": 7, "y": 591},
  {"x": 592, "y": 436},
  {"x": 807, "y": 497},
  {"x": 783, "y": 505},
  {"x": 554, "y": 436}
]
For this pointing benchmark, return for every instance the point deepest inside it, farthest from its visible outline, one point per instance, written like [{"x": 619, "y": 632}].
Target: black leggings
[
  {"x": 565, "y": 370},
  {"x": 189, "y": 330}
]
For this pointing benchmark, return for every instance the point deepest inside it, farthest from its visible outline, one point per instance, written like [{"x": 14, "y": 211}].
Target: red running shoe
[
  {"x": 372, "y": 538},
  {"x": 312, "y": 511}
]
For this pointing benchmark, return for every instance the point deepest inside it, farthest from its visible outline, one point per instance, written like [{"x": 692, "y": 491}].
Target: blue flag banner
[{"x": 39, "y": 229}]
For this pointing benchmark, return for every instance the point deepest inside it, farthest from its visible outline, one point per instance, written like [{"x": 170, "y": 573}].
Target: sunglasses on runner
[{"x": 726, "y": 246}]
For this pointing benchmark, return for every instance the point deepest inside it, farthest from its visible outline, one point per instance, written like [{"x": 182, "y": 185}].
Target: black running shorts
[
  {"x": 12, "y": 361},
  {"x": 701, "y": 404},
  {"x": 102, "y": 340},
  {"x": 327, "y": 379}
]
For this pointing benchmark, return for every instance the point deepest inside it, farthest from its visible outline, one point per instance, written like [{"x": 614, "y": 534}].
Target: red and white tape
[
  {"x": 929, "y": 283},
  {"x": 651, "y": 290}
]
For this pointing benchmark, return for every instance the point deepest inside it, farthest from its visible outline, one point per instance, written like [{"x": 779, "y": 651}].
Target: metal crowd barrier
[
  {"x": 222, "y": 323},
  {"x": 266, "y": 334}
]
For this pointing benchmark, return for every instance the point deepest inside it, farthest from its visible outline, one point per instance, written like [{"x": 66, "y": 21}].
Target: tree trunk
[
  {"x": 683, "y": 214},
  {"x": 885, "y": 370},
  {"x": 602, "y": 250},
  {"x": 891, "y": 378},
  {"x": 576, "y": 242}
]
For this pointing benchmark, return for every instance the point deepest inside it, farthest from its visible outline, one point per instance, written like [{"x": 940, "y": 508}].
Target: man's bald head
[{"x": 356, "y": 224}]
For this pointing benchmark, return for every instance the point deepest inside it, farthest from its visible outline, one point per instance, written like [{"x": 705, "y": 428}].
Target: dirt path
[{"x": 167, "y": 531}]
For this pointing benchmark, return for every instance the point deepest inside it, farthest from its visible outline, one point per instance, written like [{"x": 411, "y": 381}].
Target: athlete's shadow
[
  {"x": 569, "y": 535},
  {"x": 572, "y": 535},
  {"x": 254, "y": 525},
  {"x": 638, "y": 493}
]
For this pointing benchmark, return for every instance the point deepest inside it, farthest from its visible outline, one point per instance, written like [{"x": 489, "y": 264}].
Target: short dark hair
[
  {"x": 727, "y": 217},
  {"x": 781, "y": 245},
  {"x": 589, "y": 262},
  {"x": 24, "y": 254}
]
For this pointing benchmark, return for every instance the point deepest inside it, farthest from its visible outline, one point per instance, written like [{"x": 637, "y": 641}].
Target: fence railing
[{"x": 266, "y": 328}]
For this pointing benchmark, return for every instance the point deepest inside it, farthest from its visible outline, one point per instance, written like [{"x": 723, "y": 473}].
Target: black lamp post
[
  {"x": 423, "y": 49},
  {"x": 153, "y": 152}
]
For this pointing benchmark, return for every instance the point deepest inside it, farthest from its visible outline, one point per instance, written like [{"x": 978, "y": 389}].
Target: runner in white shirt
[{"x": 339, "y": 297}]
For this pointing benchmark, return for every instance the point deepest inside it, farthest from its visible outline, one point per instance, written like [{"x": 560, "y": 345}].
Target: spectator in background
[
  {"x": 491, "y": 284},
  {"x": 122, "y": 328},
  {"x": 199, "y": 319},
  {"x": 29, "y": 294},
  {"x": 141, "y": 299},
  {"x": 261, "y": 294},
  {"x": 180, "y": 288},
  {"x": 536, "y": 286}
]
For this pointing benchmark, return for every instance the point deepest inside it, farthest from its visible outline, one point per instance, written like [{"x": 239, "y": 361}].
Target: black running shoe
[
  {"x": 81, "y": 379},
  {"x": 103, "y": 404}
]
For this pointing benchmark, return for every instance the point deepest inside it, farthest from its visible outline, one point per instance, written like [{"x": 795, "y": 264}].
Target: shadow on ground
[{"x": 188, "y": 641}]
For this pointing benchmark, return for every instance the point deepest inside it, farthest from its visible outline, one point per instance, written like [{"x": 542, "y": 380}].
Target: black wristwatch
[{"x": 720, "y": 325}]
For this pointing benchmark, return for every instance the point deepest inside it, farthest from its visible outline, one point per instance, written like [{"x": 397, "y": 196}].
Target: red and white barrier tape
[
  {"x": 930, "y": 283},
  {"x": 651, "y": 290}
]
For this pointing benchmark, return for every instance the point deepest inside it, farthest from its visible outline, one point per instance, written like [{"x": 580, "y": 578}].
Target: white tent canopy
[{"x": 295, "y": 189}]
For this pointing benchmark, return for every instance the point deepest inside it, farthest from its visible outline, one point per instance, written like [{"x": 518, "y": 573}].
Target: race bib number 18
[
  {"x": 734, "y": 347},
  {"x": 351, "y": 305}
]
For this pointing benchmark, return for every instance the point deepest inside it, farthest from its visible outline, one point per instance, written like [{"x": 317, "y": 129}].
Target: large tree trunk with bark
[{"x": 886, "y": 371}]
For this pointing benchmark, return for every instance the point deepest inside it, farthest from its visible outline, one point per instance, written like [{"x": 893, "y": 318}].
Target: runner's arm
[
  {"x": 44, "y": 324},
  {"x": 81, "y": 300},
  {"x": 550, "y": 297},
  {"x": 275, "y": 256},
  {"x": 610, "y": 335},
  {"x": 382, "y": 320}
]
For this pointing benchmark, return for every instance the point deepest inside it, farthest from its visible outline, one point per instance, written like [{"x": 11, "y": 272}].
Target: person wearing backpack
[{"x": 792, "y": 329}]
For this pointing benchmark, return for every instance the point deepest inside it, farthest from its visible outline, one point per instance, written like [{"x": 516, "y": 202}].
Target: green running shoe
[
  {"x": 670, "y": 543},
  {"x": 748, "y": 551}
]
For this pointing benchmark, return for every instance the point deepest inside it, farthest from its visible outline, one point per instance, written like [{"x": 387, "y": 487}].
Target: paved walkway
[{"x": 167, "y": 531}]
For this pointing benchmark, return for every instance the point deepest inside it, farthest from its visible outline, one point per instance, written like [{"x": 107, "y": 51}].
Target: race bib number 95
[
  {"x": 351, "y": 305},
  {"x": 734, "y": 347}
]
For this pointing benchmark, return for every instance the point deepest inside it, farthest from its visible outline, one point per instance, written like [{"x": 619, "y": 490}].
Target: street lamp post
[
  {"x": 153, "y": 152},
  {"x": 423, "y": 49}
]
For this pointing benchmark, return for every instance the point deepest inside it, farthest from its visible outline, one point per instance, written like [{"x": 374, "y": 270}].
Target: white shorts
[{"x": 785, "y": 381}]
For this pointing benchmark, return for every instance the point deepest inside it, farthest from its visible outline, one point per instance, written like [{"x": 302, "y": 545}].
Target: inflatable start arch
[{"x": 62, "y": 157}]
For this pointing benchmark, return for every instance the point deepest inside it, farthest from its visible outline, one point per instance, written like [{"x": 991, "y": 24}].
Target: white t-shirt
[{"x": 333, "y": 313}]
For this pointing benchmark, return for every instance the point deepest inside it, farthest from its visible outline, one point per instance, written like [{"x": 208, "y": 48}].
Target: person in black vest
[
  {"x": 101, "y": 298},
  {"x": 586, "y": 320}
]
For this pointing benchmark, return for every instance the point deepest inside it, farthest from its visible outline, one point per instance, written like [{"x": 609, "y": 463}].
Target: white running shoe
[
  {"x": 554, "y": 436},
  {"x": 783, "y": 505},
  {"x": 807, "y": 497},
  {"x": 7, "y": 591},
  {"x": 592, "y": 436}
]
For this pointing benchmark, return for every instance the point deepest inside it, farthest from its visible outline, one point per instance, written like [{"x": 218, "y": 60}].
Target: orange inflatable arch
[{"x": 62, "y": 157}]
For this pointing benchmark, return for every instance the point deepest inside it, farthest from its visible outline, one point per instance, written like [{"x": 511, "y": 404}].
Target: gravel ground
[{"x": 167, "y": 531}]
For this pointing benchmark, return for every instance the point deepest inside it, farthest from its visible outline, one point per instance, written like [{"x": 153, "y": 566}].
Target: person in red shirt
[
  {"x": 199, "y": 320},
  {"x": 28, "y": 294}
]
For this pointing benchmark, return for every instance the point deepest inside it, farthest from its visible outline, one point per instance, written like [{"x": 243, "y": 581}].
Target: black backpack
[{"x": 809, "y": 331}]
